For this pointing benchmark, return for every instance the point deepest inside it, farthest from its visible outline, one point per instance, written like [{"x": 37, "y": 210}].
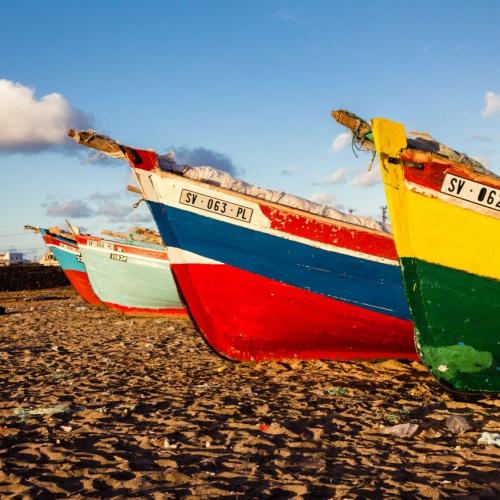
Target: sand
[{"x": 95, "y": 404}]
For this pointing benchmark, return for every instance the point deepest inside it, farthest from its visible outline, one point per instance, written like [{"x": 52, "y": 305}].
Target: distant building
[
  {"x": 48, "y": 259},
  {"x": 11, "y": 258}
]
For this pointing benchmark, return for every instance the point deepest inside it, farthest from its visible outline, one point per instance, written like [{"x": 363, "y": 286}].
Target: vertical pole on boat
[{"x": 384, "y": 213}]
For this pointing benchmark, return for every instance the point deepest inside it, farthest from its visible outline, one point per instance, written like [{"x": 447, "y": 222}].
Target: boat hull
[
  {"x": 276, "y": 287},
  {"x": 245, "y": 316},
  {"x": 129, "y": 279},
  {"x": 455, "y": 313},
  {"x": 68, "y": 257},
  {"x": 449, "y": 258}
]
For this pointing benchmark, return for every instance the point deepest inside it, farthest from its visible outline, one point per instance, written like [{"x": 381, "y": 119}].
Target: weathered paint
[
  {"x": 131, "y": 279},
  {"x": 457, "y": 316},
  {"x": 67, "y": 254},
  {"x": 246, "y": 316},
  {"x": 448, "y": 248},
  {"x": 343, "y": 236},
  {"x": 280, "y": 283}
]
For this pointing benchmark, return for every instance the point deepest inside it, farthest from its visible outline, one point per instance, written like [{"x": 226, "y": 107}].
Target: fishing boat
[
  {"x": 65, "y": 249},
  {"x": 445, "y": 210},
  {"x": 266, "y": 275},
  {"x": 132, "y": 277}
]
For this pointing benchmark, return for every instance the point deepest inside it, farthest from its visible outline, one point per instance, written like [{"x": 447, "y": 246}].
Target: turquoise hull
[{"x": 130, "y": 282}]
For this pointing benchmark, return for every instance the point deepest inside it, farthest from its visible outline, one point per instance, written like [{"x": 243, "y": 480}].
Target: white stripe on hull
[
  {"x": 179, "y": 256},
  {"x": 65, "y": 248},
  {"x": 167, "y": 188}
]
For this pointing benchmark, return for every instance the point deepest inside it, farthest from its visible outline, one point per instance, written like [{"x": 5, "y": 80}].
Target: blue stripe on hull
[
  {"x": 67, "y": 260},
  {"x": 372, "y": 285}
]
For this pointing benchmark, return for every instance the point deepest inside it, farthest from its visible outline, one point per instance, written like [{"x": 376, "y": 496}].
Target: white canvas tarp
[{"x": 222, "y": 179}]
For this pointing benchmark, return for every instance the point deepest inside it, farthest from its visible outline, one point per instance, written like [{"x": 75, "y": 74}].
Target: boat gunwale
[
  {"x": 272, "y": 204},
  {"x": 163, "y": 252},
  {"x": 441, "y": 162}
]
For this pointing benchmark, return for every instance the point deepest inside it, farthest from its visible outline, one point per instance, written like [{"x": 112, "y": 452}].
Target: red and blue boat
[
  {"x": 65, "y": 249},
  {"x": 266, "y": 275}
]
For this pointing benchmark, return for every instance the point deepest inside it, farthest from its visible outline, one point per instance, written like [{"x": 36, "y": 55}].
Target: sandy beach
[{"x": 95, "y": 404}]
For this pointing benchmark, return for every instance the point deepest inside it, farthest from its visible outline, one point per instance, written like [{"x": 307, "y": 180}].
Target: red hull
[
  {"x": 80, "y": 282},
  {"x": 245, "y": 316},
  {"x": 142, "y": 311}
]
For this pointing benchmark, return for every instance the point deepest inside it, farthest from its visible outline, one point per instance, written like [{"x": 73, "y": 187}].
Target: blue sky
[{"x": 252, "y": 80}]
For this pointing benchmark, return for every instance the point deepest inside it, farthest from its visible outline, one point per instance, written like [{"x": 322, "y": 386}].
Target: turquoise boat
[{"x": 132, "y": 278}]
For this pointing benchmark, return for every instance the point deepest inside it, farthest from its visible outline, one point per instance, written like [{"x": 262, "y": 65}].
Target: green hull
[{"x": 457, "y": 324}]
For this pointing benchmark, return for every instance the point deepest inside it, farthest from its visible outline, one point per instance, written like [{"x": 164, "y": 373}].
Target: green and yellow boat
[{"x": 445, "y": 211}]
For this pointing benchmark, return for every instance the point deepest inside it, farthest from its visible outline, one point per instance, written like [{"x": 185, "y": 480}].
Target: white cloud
[
  {"x": 99, "y": 204},
  {"x": 28, "y": 124},
  {"x": 341, "y": 141},
  {"x": 459, "y": 48},
  {"x": 205, "y": 156},
  {"x": 74, "y": 209},
  {"x": 289, "y": 16},
  {"x": 144, "y": 217},
  {"x": 337, "y": 177},
  {"x": 99, "y": 196},
  {"x": 367, "y": 178},
  {"x": 324, "y": 199},
  {"x": 114, "y": 210},
  {"x": 492, "y": 104}
]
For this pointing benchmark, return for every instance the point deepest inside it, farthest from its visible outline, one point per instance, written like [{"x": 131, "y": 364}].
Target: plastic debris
[
  {"x": 457, "y": 424},
  {"x": 489, "y": 439},
  {"x": 66, "y": 428},
  {"x": 273, "y": 428},
  {"x": 401, "y": 430},
  {"x": 23, "y": 413},
  {"x": 167, "y": 444},
  {"x": 391, "y": 418},
  {"x": 336, "y": 391}
]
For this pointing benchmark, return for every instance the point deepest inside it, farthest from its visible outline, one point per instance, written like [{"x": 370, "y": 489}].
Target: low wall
[{"x": 31, "y": 277}]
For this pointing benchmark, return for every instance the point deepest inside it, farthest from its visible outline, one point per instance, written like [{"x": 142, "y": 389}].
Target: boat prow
[
  {"x": 445, "y": 211},
  {"x": 65, "y": 250}
]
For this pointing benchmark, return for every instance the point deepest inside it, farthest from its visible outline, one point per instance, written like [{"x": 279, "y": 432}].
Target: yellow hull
[
  {"x": 442, "y": 231},
  {"x": 449, "y": 251}
]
